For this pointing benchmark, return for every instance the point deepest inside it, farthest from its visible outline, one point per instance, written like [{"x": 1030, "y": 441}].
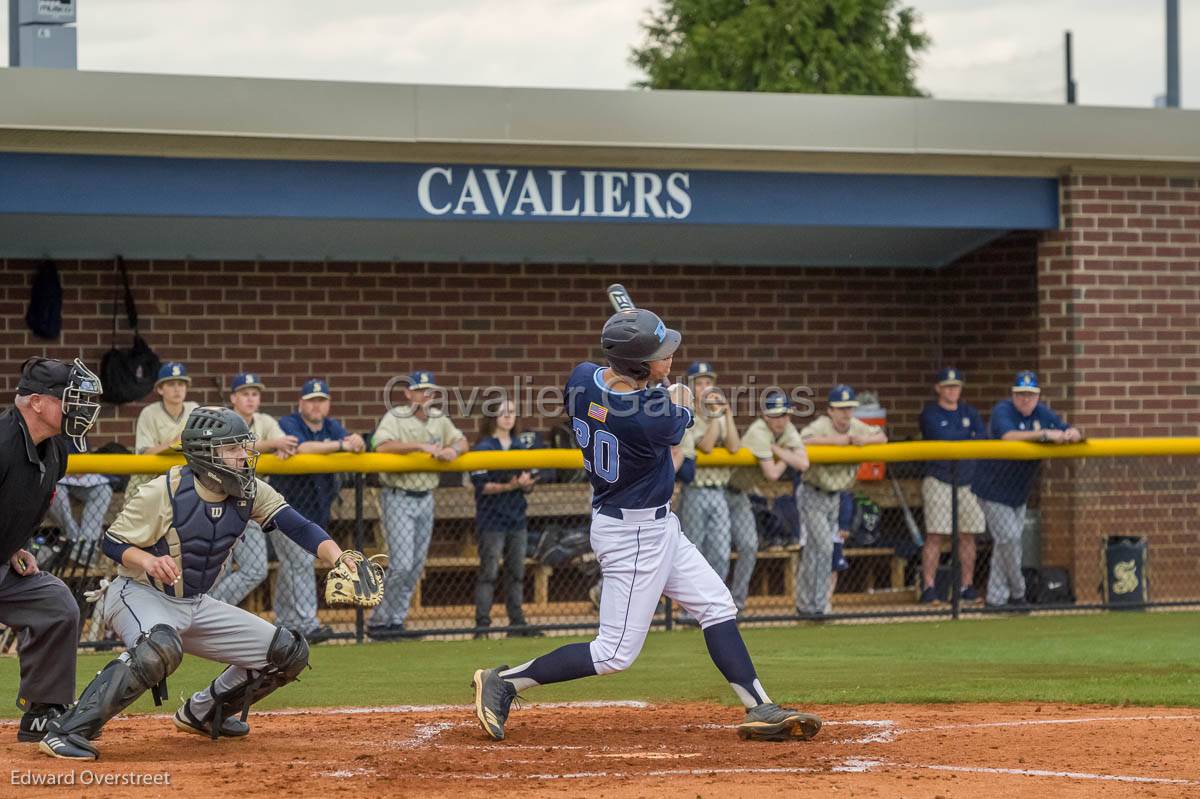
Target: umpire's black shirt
[{"x": 28, "y": 476}]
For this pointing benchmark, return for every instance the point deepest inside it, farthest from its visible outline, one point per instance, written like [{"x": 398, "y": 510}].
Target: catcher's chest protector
[{"x": 206, "y": 532}]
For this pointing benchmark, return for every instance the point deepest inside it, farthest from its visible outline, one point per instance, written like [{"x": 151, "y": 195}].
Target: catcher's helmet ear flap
[
  {"x": 204, "y": 433},
  {"x": 630, "y": 339}
]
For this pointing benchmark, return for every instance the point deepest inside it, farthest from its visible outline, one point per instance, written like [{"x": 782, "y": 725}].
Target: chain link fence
[{"x": 505, "y": 552}]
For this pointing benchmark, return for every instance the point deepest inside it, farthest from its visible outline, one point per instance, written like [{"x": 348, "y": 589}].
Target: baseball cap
[
  {"x": 701, "y": 368},
  {"x": 422, "y": 379},
  {"x": 172, "y": 370},
  {"x": 1026, "y": 381},
  {"x": 776, "y": 404},
  {"x": 950, "y": 377},
  {"x": 246, "y": 380},
  {"x": 314, "y": 389},
  {"x": 44, "y": 376},
  {"x": 842, "y": 396}
]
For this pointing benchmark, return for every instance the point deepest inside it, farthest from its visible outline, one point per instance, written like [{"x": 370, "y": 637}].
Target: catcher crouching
[{"x": 171, "y": 541}]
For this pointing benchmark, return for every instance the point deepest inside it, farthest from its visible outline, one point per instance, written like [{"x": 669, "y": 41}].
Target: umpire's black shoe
[
  {"x": 37, "y": 721},
  {"x": 68, "y": 746},
  {"x": 770, "y": 722},
  {"x": 494, "y": 696}
]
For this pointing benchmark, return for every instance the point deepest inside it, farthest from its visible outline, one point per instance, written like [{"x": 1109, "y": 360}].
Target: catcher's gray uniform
[{"x": 175, "y": 515}]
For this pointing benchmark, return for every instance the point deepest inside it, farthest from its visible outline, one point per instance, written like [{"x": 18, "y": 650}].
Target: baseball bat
[
  {"x": 621, "y": 301},
  {"x": 913, "y": 530}
]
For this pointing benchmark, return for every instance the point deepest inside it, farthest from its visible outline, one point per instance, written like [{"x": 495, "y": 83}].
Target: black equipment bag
[{"x": 127, "y": 374}]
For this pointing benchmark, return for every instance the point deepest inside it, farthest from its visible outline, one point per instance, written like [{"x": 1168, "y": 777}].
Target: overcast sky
[{"x": 982, "y": 49}]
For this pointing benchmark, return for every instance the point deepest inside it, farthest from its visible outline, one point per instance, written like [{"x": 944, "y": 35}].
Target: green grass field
[{"x": 1115, "y": 658}]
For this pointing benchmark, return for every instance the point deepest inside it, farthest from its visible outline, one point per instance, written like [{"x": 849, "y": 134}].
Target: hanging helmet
[{"x": 208, "y": 429}]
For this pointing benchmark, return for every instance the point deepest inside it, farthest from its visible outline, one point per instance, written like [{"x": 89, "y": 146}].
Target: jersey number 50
[{"x": 606, "y": 460}]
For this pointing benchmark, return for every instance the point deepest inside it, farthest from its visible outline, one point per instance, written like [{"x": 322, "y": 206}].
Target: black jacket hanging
[{"x": 44, "y": 316}]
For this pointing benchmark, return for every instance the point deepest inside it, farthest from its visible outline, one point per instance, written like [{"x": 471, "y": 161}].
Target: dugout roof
[{"x": 157, "y": 166}]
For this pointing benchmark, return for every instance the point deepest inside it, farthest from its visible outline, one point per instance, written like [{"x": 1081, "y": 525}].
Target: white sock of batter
[
  {"x": 752, "y": 695},
  {"x": 521, "y": 682}
]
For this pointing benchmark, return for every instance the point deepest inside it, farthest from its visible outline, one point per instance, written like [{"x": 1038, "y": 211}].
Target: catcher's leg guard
[
  {"x": 145, "y": 666},
  {"x": 287, "y": 656}
]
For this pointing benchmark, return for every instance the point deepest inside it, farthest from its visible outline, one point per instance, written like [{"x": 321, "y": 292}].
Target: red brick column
[{"x": 1119, "y": 309}]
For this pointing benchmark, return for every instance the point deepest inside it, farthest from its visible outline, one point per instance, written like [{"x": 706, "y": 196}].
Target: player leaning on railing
[
  {"x": 171, "y": 540},
  {"x": 1004, "y": 486},
  {"x": 628, "y": 425}
]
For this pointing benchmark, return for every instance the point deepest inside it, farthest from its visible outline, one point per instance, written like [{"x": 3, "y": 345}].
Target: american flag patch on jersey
[{"x": 597, "y": 412}]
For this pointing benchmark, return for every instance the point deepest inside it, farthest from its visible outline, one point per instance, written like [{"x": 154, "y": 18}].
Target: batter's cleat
[
  {"x": 770, "y": 722},
  {"x": 186, "y": 721},
  {"x": 68, "y": 746},
  {"x": 494, "y": 696}
]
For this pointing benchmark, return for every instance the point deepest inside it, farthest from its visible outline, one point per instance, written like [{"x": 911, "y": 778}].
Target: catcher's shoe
[
  {"x": 770, "y": 722},
  {"x": 68, "y": 746},
  {"x": 494, "y": 696},
  {"x": 186, "y": 721}
]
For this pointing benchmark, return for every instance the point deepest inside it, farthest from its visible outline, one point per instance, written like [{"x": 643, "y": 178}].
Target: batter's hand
[
  {"x": 680, "y": 394},
  {"x": 162, "y": 569},
  {"x": 24, "y": 563}
]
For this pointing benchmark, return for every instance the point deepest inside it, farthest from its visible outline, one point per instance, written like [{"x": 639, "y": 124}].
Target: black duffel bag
[{"x": 127, "y": 374}]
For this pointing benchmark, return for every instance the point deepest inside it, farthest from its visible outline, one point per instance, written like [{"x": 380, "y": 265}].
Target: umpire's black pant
[{"x": 44, "y": 613}]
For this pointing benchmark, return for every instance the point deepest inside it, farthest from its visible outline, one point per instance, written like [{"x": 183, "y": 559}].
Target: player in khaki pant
[
  {"x": 250, "y": 552},
  {"x": 406, "y": 501},
  {"x": 159, "y": 424},
  {"x": 822, "y": 487},
  {"x": 703, "y": 503},
  {"x": 773, "y": 440}
]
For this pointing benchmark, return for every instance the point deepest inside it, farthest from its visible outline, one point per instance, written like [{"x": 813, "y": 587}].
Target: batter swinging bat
[{"x": 621, "y": 301}]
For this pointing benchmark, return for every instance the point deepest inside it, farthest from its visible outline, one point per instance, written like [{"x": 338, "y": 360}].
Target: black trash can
[{"x": 1125, "y": 579}]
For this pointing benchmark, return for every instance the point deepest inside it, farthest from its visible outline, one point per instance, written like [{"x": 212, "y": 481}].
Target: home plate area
[{"x": 633, "y": 749}]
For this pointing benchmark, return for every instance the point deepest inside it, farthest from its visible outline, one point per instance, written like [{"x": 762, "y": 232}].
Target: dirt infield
[{"x": 635, "y": 750}]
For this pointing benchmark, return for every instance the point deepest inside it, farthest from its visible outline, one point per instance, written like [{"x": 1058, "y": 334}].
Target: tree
[{"x": 812, "y": 46}]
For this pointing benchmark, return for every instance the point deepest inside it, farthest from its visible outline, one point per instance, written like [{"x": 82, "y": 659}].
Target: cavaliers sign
[{"x": 508, "y": 192}]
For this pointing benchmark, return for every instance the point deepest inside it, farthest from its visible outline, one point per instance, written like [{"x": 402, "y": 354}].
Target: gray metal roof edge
[{"x": 706, "y": 122}]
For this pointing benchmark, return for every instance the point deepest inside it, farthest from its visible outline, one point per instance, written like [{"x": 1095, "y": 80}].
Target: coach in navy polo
[
  {"x": 1004, "y": 486},
  {"x": 950, "y": 419},
  {"x": 312, "y": 496}
]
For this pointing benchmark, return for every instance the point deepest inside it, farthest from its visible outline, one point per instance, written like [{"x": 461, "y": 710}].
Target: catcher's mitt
[{"x": 356, "y": 580}]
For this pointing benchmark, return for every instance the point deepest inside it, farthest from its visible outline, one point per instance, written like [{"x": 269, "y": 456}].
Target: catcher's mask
[
  {"x": 80, "y": 404},
  {"x": 206, "y": 434},
  {"x": 75, "y": 387}
]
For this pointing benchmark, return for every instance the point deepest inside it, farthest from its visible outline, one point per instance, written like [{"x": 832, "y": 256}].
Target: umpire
[{"x": 53, "y": 398}]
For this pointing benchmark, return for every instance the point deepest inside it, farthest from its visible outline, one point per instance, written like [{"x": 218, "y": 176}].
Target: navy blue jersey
[
  {"x": 1009, "y": 482},
  {"x": 962, "y": 424},
  {"x": 626, "y": 438}
]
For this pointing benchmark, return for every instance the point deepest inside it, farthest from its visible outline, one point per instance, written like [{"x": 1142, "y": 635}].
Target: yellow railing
[{"x": 572, "y": 459}]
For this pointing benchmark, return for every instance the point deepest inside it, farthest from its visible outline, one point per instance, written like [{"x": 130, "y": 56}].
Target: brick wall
[
  {"x": 478, "y": 325},
  {"x": 1119, "y": 306}
]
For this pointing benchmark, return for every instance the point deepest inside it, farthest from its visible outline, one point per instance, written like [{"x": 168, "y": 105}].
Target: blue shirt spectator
[
  {"x": 1009, "y": 482},
  {"x": 312, "y": 494},
  {"x": 961, "y": 422}
]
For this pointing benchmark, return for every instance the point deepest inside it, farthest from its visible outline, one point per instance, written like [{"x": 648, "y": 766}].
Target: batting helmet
[
  {"x": 632, "y": 338},
  {"x": 206, "y": 430}
]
